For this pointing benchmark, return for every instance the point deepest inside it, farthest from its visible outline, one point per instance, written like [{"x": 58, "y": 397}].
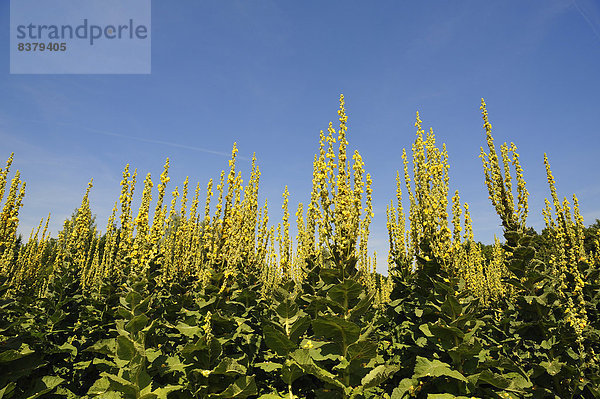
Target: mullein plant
[
  {"x": 428, "y": 235},
  {"x": 9, "y": 221},
  {"x": 547, "y": 302},
  {"x": 321, "y": 332},
  {"x": 236, "y": 297},
  {"x": 439, "y": 284},
  {"x": 189, "y": 244},
  {"x": 566, "y": 236},
  {"x": 335, "y": 228}
]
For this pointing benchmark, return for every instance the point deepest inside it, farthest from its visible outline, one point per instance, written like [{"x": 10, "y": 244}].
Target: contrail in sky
[
  {"x": 184, "y": 146},
  {"x": 144, "y": 140},
  {"x": 587, "y": 19}
]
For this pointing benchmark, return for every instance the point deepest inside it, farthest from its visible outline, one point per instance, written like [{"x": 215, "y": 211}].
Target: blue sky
[{"x": 268, "y": 75}]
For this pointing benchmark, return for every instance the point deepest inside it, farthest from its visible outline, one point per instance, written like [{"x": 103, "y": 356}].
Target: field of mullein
[{"x": 197, "y": 294}]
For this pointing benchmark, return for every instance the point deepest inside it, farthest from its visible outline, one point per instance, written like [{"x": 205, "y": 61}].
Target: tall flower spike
[{"x": 285, "y": 242}]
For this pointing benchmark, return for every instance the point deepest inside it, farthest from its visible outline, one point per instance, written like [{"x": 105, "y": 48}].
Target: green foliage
[
  {"x": 223, "y": 328},
  {"x": 318, "y": 338}
]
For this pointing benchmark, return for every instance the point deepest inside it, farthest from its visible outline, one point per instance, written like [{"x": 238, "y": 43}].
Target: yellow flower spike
[
  {"x": 78, "y": 242},
  {"x": 566, "y": 238},
  {"x": 183, "y": 210},
  {"x": 428, "y": 199},
  {"x": 158, "y": 221},
  {"x": 522, "y": 193},
  {"x": 313, "y": 214},
  {"x": 499, "y": 186},
  {"x": 506, "y": 161},
  {"x": 209, "y": 194},
  {"x": 456, "y": 213},
  {"x": 283, "y": 231},
  {"x": 106, "y": 264},
  {"x": 413, "y": 232},
  {"x": 363, "y": 233},
  {"x": 302, "y": 241},
  {"x": 230, "y": 181},
  {"x": 27, "y": 269},
  {"x": 263, "y": 236},
  {"x": 398, "y": 224},
  {"x": 9, "y": 219},
  {"x": 194, "y": 207},
  {"x": 552, "y": 184},
  {"x": 468, "y": 236},
  {"x": 216, "y": 227},
  {"x": 579, "y": 229},
  {"x": 141, "y": 223},
  {"x": 4, "y": 174},
  {"x": 126, "y": 233},
  {"x": 87, "y": 272}
]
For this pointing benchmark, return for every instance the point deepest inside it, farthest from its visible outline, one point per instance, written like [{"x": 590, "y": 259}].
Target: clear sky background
[{"x": 268, "y": 74}]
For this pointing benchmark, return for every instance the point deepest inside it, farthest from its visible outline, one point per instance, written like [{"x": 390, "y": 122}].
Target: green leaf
[
  {"x": 403, "y": 387},
  {"x": 137, "y": 324},
  {"x": 425, "y": 329},
  {"x": 448, "y": 333},
  {"x": 287, "y": 309},
  {"x": 303, "y": 359},
  {"x": 378, "y": 375},
  {"x": 65, "y": 393},
  {"x": 493, "y": 379},
  {"x": 298, "y": 328},
  {"x": 277, "y": 341},
  {"x": 142, "y": 307},
  {"x": 43, "y": 386},
  {"x": 241, "y": 388},
  {"x": 100, "y": 386},
  {"x": 291, "y": 372},
  {"x": 124, "y": 313},
  {"x": 125, "y": 348},
  {"x": 104, "y": 346},
  {"x": 189, "y": 331},
  {"x": 111, "y": 395},
  {"x": 322, "y": 351},
  {"x": 362, "y": 351},
  {"x": 173, "y": 363},
  {"x": 67, "y": 347},
  {"x": 552, "y": 367},
  {"x": 229, "y": 366},
  {"x": 524, "y": 253},
  {"x": 82, "y": 365},
  {"x": 426, "y": 368},
  {"x": 361, "y": 307},
  {"x": 206, "y": 351},
  {"x": 512, "y": 236},
  {"x": 518, "y": 381},
  {"x": 345, "y": 293},
  {"x": 133, "y": 299},
  {"x": 121, "y": 385},
  {"x": 336, "y": 329},
  {"x": 451, "y": 307},
  {"x": 163, "y": 392},
  {"x": 467, "y": 337},
  {"x": 268, "y": 366},
  {"x": 7, "y": 390},
  {"x": 12, "y": 354}
]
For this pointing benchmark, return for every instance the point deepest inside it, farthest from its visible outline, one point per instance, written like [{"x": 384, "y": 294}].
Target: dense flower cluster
[{"x": 239, "y": 297}]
